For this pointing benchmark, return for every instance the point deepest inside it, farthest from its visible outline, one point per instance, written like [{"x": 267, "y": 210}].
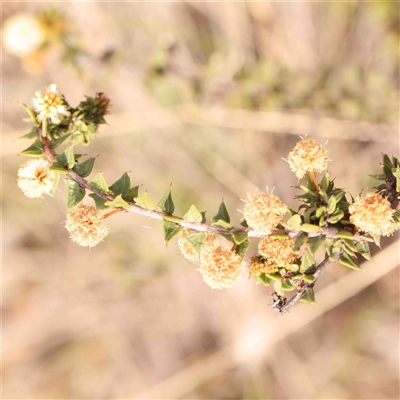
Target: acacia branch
[{"x": 283, "y": 306}]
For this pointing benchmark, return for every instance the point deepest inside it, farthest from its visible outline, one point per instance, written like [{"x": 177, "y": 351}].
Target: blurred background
[{"x": 210, "y": 97}]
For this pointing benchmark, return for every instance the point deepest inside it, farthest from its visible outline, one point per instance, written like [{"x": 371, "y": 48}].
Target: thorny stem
[
  {"x": 197, "y": 226},
  {"x": 280, "y": 303}
]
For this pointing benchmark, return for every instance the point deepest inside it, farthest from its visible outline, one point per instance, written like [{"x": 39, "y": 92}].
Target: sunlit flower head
[
  {"x": 50, "y": 105},
  {"x": 264, "y": 211},
  {"x": 35, "y": 178},
  {"x": 22, "y": 35},
  {"x": 373, "y": 214},
  {"x": 220, "y": 268},
  {"x": 278, "y": 251},
  {"x": 84, "y": 224},
  {"x": 308, "y": 156},
  {"x": 189, "y": 252},
  {"x": 258, "y": 265}
]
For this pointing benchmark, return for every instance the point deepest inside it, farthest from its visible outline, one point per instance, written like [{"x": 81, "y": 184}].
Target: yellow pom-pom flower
[
  {"x": 220, "y": 268},
  {"x": 277, "y": 251},
  {"x": 308, "y": 156},
  {"x": 35, "y": 178},
  {"x": 373, "y": 214},
  {"x": 264, "y": 212},
  {"x": 258, "y": 265},
  {"x": 84, "y": 224}
]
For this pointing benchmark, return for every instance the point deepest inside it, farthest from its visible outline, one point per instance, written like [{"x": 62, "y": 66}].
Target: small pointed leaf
[
  {"x": 55, "y": 143},
  {"x": 31, "y": 135},
  {"x": 118, "y": 202},
  {"x": 132, "y": 194},
  {"x": 196, "y": 240},
  {"x": 122, "y": 185},
  {"x": 84, "y": 169},
  {"x": 222, "y": 214},
  {"x": 166, "y": 204},
  {"x": 170, "y": 230},
  {"x": 315, "y": 243},
  {"x": 242, "y": 248},
  {"x": 99, "y": 201},
  {"x": 336, "y": 216},
  {"x": 308, "y": 296},
  {"x": 295, "y": 222},
  {"x": 307, "y": 262},
  {"x": 193, "y": 215},
  {"x": 99, "y": 183},
  {"x": 239, "y": 237},
  {"x": 75, "y": 193},
  {"x": 144, "y": 201},
  {"x": 349, "y": 261},
  {"x": 34, "y": 150},
  {"x": 363, "y": 249},
  {"x": 262, "y": 278}
]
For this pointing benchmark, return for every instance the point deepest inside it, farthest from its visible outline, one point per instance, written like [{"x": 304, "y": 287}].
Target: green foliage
[
  {"x": 85, "y": 168},
  {"x": 196, "y": 240},
  {"x": 118, "y": 202},
  {"x": 99, "y": 183},
  {"x": 193, "y": 215},
  {"x": 75, "y": 193},
  {"x": 34, "y": 150},
  {"x": 121, "y": 186},
  {"x": 144, "y": 201},
  {"x": 222, "y": 214},
  {"x": 166, "y": 203},
  {"x": 170, "y": 230}
]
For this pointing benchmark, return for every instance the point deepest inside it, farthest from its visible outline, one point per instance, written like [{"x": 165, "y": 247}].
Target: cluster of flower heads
[{"x": 263, "y": 212}]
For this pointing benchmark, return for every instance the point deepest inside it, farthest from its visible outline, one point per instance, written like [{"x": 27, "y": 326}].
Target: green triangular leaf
[
  {"x": 193, "y": 215},
  {"x": 222, "y": 214},
  {"x": 377, "y": 239},
  {"x": 56, "y": 167},
  {"x": 75, "y": 193},
  {"x": 166, "y": 204},
  {"x": 295, "y": 222},
  {"x": 31, "y": 135},
  {"x": 122, "y": 185},
  {"x": 287, "y": 285},
  {"x": 170, "y": 230},
  {"x": 99, "y": 183},
  {"x": 307, "y": 262},
  {"x": 196, "y": 240},
  {"x": 242, "y": 248},
  {"x": 99, "y": 201},
  {"x": 144, "y": 201},
  {"x": 34, "y": 150},
  {"x": 349, "y": 261},
  {"x": 84, "y": 169},
  {"x": 363, "y": 249},
  {"x": 55, "y": 143},
  {"x": 118, "y": 202},
  {"x": 31, "y": 113},
  {"x": 132, "y": 194},
  {"x": 308, "y": 296},
  {"x": 315, "y": 243},
  {"x": 222, "y": 224},
  {"x": 239, "y": 237}
]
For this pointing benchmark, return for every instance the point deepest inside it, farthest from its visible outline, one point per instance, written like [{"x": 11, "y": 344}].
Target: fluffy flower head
[
  {"x": 373, "y": 214},
  {"x": 189, "y": 252},
  {"x": 277, "y": 251},
  {"x": 258, "y": 265},
  {"x": 308, "y": 156},
  {"x": 50, "y": 105},
  {"x": 264, "y": 211},
  {"x": 84, "y": 224},
  {"x": 22, "y": 35},
  {"x": 220, "y": 268},
  {"x": 35, "y": 178}
]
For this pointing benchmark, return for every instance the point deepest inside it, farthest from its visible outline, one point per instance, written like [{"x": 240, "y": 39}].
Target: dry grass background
[{"x": 131, "y": 318}]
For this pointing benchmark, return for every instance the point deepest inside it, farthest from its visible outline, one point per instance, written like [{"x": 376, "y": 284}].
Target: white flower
[
  {"x": 22, "y": 35},
  {"x": 50, "y": 105},
  {"x": 35, "y": 178}
]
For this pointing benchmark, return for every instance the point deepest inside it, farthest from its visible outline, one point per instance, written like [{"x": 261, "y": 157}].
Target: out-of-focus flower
[
  {"x": 373, "y": 214},
  {"x": 258, "y": 265},
  {"x": 50, "y": 105},
  {"x": 189, "y": 252},
  {"x": 277, "y": 251},
  {"x": 22, "y": 34},
  {"x": 220, "y": 268},
  {"x": 84, "y": 224},
  {"x": 35, "y": 178},
  {"x": 264, "y": 211},
  {"x": 308, "y": 156}
]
